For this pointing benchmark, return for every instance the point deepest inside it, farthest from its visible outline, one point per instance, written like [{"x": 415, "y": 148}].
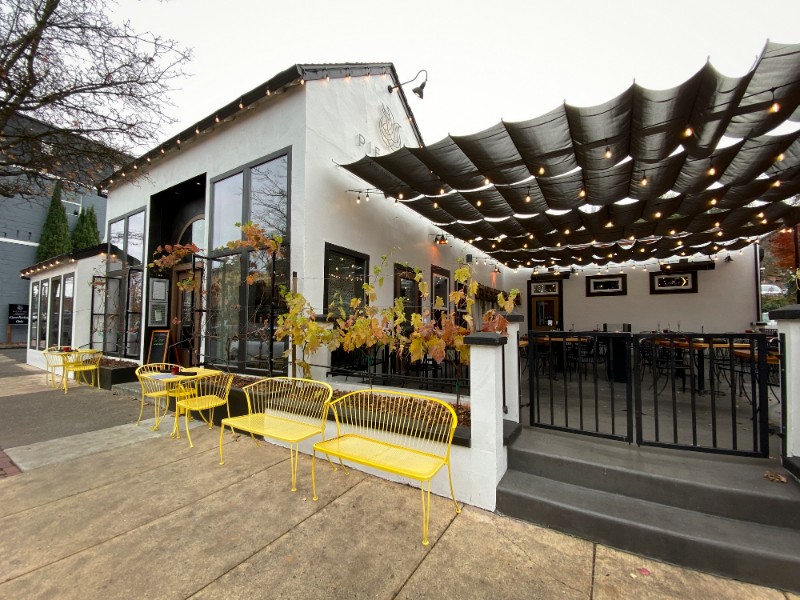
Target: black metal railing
[
  {"x": 580, "y": 381},
  {"x": 383, "y": 368},
  {"x": 706, "y": 392}
]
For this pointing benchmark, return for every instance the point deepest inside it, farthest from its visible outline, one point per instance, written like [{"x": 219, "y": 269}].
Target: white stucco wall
[
  {"x": 727, "y": 299},
  {"x": 249, "y": 136},
  {"x": 84, "y": 270}
]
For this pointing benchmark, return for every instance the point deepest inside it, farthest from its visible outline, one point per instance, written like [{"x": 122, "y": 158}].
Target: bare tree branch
[{"x": 77, "y": 91}]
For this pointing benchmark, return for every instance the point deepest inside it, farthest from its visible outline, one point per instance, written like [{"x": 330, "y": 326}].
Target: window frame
[
  {"x": 241, "y": 363},
  {"x": 122, "y": 271},
  {"x": 326, "y": 300}
]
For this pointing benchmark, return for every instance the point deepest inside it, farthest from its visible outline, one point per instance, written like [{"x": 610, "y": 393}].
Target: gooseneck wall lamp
[{"x": 417, "y": 90}]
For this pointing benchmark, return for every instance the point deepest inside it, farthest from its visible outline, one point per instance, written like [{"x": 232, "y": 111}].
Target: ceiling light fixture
[{"x": 644, "y": 179}]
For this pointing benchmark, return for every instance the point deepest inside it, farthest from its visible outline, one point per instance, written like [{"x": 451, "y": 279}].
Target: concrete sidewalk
[{"x": 118, "y": 511}]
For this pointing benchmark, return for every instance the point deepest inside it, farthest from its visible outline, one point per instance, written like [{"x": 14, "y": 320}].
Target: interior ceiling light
[
  {"x": 644, "y": 179},
  {"x": 541, "y": 170},
  {"x": 607, "y": 152},
  {"x": 688, "y": 132}
]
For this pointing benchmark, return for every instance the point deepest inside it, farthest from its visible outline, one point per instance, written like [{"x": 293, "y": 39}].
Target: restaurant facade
[{"x": 273, "y": 156}]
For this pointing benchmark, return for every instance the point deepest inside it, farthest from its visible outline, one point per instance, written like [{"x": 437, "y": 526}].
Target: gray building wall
[{"x": 21, "y": 223}]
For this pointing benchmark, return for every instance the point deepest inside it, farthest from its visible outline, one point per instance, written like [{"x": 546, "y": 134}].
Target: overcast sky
[{"x": 486, "y": 60}]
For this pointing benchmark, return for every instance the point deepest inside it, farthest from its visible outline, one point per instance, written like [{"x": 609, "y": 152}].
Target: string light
[
  {"x": 582, "y": 193},
  {"x": 608, "y": 152},
  {"x": 657, "y": 215},
  {"x": 775, "y": 104},
  {"x": 713, "y": 202},
  {"x": 688, "y": 132},
  {"x": 644, "y": 179},
  {"x": 541, "y": 170},
  {"x": 781, "y": 156}
]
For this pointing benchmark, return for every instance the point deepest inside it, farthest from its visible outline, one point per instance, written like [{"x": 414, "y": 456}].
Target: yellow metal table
[{"x": 174, "y": 387}]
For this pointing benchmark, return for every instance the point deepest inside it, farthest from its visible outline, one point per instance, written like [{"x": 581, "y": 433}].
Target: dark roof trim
[
  {"x": 295, "y": 75},
  {"x": 63, "y": 258}
]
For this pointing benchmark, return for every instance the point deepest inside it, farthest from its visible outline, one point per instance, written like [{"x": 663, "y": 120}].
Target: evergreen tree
[
  {"x": 55, "y": 238},
  {"x": 85, "y": 234}
]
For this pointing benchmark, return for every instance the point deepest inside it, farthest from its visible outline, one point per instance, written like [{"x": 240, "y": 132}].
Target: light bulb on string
[{"x": 775, "y": 107}]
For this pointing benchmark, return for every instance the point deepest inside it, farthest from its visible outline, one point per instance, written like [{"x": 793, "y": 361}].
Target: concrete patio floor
[{"x": 105, "y": 509}]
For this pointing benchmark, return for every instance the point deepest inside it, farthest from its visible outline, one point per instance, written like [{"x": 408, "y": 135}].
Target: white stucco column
[
  {"x": 511, "y": 358},
  {"x": 788, "y": 319},
  {"x": 489, "y": 459}
]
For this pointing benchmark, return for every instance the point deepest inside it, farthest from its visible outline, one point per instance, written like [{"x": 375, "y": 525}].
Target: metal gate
[{"x": 719, "y": 393}]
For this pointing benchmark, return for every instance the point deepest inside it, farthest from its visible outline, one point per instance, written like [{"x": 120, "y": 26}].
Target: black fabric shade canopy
[{"x": 648, "y": 174}]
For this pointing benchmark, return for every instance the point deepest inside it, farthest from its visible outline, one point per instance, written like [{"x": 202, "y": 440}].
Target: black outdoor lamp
[{"x": 417, "y": 90}]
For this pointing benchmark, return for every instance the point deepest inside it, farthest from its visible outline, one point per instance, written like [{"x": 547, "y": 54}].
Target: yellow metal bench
[
  {"x": 287, "y": 409},
  {"x": 405, "y": 434}
]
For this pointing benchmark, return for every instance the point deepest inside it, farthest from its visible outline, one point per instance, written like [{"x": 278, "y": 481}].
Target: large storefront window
[
  {"x": 34, "y": 317},
  {"x": 227, "y": 210},
  {"x": 243, "y": 294},
  {"x": 51, "y": 308},
  {"x": 268, "y": 189},
  {"x": 121, "y": 289}
]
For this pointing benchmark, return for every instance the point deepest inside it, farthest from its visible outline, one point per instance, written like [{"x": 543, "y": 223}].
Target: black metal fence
[{"x": 707, "y": 392}]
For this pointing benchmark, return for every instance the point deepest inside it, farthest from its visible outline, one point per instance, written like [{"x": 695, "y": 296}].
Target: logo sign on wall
[
  {"x": 17, "y": 314},
  {"x": 389, "y": 128}
]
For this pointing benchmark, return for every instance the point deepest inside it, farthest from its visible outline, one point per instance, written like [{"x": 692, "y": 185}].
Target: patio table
[{"x": 173, "y": 385}]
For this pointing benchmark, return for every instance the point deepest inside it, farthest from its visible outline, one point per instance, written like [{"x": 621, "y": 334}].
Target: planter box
[{"x": 113, "y": 375}]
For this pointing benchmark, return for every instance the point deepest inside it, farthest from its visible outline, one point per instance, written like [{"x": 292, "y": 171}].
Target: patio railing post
[
  {"x": 488, "y": 456},
  {"x": 512, "y": 367},
  {"x": 788, "y": 319}
]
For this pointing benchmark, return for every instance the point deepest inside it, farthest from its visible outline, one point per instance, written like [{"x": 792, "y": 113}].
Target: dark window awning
[{"x": 649, "y": 174}]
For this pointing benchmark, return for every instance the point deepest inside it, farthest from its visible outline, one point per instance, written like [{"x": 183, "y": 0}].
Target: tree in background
[
  {"x": 85, "y": 234},
  {"x": 78, "y": 92},
  {"x": 55, "y": 239}
]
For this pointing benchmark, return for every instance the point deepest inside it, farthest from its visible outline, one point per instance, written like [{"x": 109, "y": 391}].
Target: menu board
[{"x": 159, "y": 346}]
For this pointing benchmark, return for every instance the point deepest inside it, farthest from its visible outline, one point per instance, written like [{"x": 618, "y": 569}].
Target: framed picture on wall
[
  {"x": 157, "y": 316},
  {"x": 545, "y": 288},
  {"x": 607, "y": 285},
  {"x": 673, "y": 283},
  {"x": 158, "y": 290}
]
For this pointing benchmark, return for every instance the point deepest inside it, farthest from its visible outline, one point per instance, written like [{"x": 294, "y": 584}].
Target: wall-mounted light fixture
[{"x": 417, "y": 90}]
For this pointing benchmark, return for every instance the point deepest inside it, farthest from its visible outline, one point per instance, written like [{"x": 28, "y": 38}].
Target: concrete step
[
  {"x": 725, "y": 486},
  {"x": 754, "y": 552}
]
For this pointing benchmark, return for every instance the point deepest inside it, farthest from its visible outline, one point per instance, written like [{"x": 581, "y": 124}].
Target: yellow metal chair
[
  {"x": 53, "y": 357},
  {"x": 154, "y": 389},
  {"x": 206, "y": 392},
  {"x": 400, "y": 433},
  {"x": 83, "y": 364},
  {"x": 287, "y": 409}
]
